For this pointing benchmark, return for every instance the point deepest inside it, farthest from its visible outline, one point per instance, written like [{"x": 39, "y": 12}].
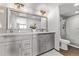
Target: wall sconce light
[
  {"x": 19, "y": 5},
  {"x": 42, "y": 12}
]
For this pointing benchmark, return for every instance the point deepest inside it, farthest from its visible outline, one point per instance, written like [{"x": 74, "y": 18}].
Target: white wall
[
  {"x": 54, "y": 24},
  {"x": 72, "y": 29}
]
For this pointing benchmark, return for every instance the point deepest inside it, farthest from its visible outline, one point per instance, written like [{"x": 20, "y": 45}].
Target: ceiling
[
  {"x": 66, "y": 9},
  {"x": 33, "y": 7},
  {"x": 69, "y": 9}
]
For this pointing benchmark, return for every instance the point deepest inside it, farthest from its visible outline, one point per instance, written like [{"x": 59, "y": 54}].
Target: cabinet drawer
[
  {"x": 7, "y": 38},
  {"x": 27, "y": 52},
  {"x": 24, "y": 37},
  {"x": 26, "y": 44},
  {"x": 26, "y": 41}
]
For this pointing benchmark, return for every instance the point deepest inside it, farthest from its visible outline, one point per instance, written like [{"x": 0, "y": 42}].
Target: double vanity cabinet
[
  {"x": 25, "y": 44},
  {"x": 17, "y": 37}
]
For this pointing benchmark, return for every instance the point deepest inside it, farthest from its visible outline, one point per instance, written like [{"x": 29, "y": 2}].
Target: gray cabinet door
[
  {"x": 10, "y": 48},
  {"x": 42, "y": 46},
  {"x": 45, "y": 42},
  {"x": 27, "y": 47},
  {"x": 41, "y": 43},
  {"x": 49, "y": 41}
]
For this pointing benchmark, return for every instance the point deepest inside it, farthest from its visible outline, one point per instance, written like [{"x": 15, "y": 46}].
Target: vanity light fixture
[
  {"x": 19, "y": 5},
  {"x": 42, "y": 12}
]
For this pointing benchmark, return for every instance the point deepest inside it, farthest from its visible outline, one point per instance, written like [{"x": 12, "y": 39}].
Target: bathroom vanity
[
  {"x": 26, "y": 44},
  {"x": 17, "y": 35}
]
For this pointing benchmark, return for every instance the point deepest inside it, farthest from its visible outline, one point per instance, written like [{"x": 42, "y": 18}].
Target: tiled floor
[{"x": 52, "y": 53}]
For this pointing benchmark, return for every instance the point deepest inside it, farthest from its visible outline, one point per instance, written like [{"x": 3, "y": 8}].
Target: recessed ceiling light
[
  {"x": 76, "y": 12},
  {"x": 76, "y": 4}
]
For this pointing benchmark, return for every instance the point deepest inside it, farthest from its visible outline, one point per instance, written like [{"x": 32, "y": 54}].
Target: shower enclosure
[
  {"x": 63, "y": 28},
  {"x": 70, "y": 30}
]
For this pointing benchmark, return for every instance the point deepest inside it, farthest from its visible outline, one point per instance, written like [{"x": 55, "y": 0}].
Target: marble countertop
[{"x": 5, "y": 34}]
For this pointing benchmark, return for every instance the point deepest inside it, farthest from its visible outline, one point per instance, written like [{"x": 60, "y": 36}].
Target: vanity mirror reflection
[
  {"x": 25, "y": 22},
  {"x": 2, "y": 19}
]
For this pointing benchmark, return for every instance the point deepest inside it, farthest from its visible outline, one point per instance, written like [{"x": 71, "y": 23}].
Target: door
[
  {"x": 49, "y": 41},
  {"x": 10, "y": 48},
  {"x": 41, "y": 44},
  {"x": 45, "y": 42},
  {"x": 27, "y": 47}
]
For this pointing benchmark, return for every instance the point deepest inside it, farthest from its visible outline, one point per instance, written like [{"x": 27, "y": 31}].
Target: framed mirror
[{"x": 20, "y": 21}]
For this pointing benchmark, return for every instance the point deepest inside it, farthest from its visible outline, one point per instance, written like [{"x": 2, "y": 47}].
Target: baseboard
[
  {"x": 58, "y": 51},
  {"x": 45, "y": 52},
  {"x": 72, "y": 45}
]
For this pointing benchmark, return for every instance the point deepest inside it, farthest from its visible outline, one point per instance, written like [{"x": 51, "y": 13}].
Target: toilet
[{"x": 64, "y": 44}]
